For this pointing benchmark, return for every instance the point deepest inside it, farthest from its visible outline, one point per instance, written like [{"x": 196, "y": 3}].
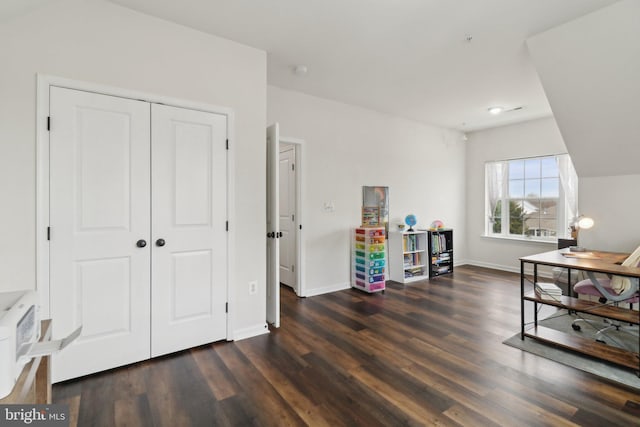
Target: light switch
[{"x": 328, "y": 206}]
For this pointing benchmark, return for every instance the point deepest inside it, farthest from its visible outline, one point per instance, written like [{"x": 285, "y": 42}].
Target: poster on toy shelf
[
  {"x": 375, "y": 206},
  {"x": 370, "y": 216}
]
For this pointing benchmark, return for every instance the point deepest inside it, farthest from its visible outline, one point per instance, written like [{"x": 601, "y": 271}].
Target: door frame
[
  {"x": 300, "y": 235},
  {"x": 44, "y": 82}
]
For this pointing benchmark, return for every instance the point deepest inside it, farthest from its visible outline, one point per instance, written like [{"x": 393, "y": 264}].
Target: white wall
[
  {"x": 348, "y": 147},
  {"x": 613, "y": 203},
  {"x": 527, "y": 139},
  {"x": 99, "y": 42}
]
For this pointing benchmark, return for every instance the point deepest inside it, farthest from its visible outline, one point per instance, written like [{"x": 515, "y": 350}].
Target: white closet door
[
  {"x": 189, "y": 212},
  {"x": 99, "y": 210}
]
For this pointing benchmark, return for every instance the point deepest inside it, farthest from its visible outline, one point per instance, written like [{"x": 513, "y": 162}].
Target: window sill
[{"x": 553, "y": 242}]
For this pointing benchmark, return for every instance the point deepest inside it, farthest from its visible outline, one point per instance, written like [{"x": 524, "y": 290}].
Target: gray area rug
[{"x": 562, "y": 322}]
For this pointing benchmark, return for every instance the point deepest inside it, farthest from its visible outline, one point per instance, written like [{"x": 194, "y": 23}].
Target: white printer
[{"x": 19, "y": 334}]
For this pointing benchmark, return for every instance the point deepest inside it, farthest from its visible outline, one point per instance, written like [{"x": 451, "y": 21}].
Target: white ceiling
[
  {"x": 409, "y": 58},
  {"x": 10, "y": 9}
]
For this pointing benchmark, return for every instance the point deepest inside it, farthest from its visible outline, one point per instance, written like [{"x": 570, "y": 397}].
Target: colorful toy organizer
[{"x": 369, "y": 254}]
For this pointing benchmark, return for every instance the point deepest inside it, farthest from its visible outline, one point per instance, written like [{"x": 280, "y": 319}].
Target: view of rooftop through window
[{"x": 526, "y": 197}]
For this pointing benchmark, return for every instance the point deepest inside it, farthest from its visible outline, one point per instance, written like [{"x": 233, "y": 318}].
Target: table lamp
[{"x": 583, "y": 222}]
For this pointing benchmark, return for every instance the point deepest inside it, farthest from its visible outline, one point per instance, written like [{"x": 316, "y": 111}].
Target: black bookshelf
[{"x": 440, "y": 251}]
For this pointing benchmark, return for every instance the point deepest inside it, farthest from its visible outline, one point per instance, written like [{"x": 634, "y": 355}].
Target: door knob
[
  {"x": 160, "y": 242},
  {"x": 141, "y": 243},
  {"x": 271, "y": 235}
]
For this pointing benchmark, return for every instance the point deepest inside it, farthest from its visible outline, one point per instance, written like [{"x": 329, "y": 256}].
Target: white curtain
[
  {"x": 569, "y": 183},
  {"x": 493, "y": 172}
]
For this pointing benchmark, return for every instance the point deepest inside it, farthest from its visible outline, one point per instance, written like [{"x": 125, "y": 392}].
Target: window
[{"x": 531, "y": 198}]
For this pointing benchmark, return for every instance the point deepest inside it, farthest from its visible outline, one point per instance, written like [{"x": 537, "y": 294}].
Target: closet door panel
[
  {"x": 189, "y": 211},
  {"x": 99, "y": 210},
  {"x": 192, "y": 175}
]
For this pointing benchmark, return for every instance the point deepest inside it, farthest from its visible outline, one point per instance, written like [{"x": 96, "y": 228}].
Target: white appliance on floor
[{"x": 19, "y": 334}]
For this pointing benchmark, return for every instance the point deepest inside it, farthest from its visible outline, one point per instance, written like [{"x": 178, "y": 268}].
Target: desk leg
[
  {"x": 569, "y": 290},
  {"x": 535, "y": 304},
  {"x": 521, "y": 300}
]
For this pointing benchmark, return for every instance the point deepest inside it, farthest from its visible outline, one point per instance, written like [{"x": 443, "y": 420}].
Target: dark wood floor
[{"x": 429, "y": 353}]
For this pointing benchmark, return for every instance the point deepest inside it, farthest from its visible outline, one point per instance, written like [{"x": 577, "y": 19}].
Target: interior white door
[
  {"x": 189, "y": 205},
  {"x": 99, "y": 218},
  {"x": 273, "y": 230},
  {"x": 287, "y": 216}
]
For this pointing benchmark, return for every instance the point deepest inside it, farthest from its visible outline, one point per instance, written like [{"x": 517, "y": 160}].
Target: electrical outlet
[{"x": 253, "y": 287}]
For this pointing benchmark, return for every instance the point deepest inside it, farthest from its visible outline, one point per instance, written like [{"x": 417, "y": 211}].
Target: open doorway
[
  {"x": 290, "y": 221},
  {"x": 288, "y": 214}
]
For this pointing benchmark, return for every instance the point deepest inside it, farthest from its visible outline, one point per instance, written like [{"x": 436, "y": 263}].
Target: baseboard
[
  {"x": 326, "y": 289},
  {"x": 493, "y": 266},
  {"x": 528, "y": 268},
  {"x": 252, "y": 331}
]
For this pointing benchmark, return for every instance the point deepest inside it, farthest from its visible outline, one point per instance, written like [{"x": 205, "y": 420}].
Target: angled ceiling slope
[{"x": 590, "y": 71}]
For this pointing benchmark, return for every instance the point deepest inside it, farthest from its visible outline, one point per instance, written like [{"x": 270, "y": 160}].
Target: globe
[{"x": 410, "y": 220}]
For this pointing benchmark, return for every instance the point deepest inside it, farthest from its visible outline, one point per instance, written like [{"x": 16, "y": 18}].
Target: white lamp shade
[{"x": 585, "y": 222}]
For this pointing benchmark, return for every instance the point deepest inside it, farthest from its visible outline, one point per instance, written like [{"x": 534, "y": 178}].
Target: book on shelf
[
  {"x": 548, "y": 291},
  {"x": 413, "y": 272},
  {"x": 410, "y": 243},
  {"x": 438, "y": 243}
]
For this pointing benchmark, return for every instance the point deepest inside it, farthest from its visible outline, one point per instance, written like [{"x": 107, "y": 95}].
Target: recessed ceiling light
[
  {"x": 499, "y": 110},
  {"x": 300, "y": 70}
]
